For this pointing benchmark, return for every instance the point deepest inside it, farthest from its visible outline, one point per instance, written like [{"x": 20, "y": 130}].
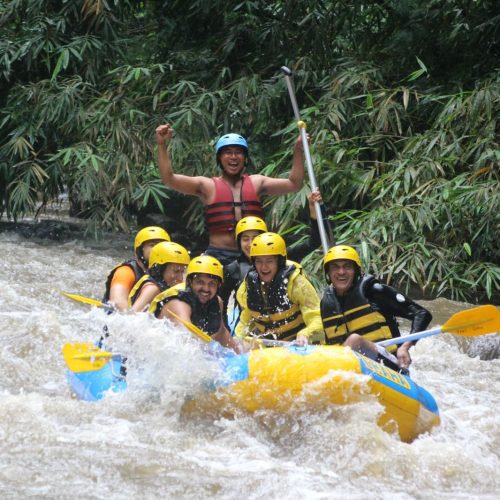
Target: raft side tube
[
  {"x": 397, "y": 382},
  {"x": 92, "y": 385}
]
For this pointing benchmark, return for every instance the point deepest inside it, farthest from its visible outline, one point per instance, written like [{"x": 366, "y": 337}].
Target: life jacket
[
  {"x": 135, "y": 292},
  {"x": 132, "y": 263},
  {"x": 356, "y": 314},
  {"x": 233, "y": 277},
  {"x": 237, "y": 270},
  {"x": 274, "y": 316},
  {"x": 206, "y": 317},
  {"x": 220, "y": 215}
]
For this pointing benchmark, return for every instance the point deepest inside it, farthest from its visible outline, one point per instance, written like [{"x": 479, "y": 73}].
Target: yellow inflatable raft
[{"x": 316, "y": 376}]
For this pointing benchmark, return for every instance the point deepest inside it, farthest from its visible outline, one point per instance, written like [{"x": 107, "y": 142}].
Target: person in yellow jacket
[
  {"x": 357, "y": 310},
  {"x": 277, "y": 301},
  {"x": 196, "y": 301},
  {"x": 123, "y": 277},
  {"x": 167, "y": 266},
  {"x": 248, "y": 228}
]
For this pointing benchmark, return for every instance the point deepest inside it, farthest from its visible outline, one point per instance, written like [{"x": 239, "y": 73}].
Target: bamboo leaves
[{"x": 404, "y": 132}]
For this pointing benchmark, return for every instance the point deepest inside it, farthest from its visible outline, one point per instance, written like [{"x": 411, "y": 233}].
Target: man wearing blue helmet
[{"x": 231, "y": 196}]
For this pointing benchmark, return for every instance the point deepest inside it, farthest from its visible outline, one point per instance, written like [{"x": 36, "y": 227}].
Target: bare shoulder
[
  {"x": 206, "y": 188},
  {"x": 272, "y": 186},
  {"x": 258, "y": 181},
  {"x": 179, "y": 307}
]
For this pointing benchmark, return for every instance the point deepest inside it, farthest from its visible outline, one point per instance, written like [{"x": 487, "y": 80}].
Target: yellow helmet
[
  {"x": 168, "y": 252},
  {"x": 148, "y": 234},
  {"x": 341, "y": 252},
  {"x": 205, "y": 264},
  {"x": 250, "y": 223},
  {"x": 268, "y": 244}
]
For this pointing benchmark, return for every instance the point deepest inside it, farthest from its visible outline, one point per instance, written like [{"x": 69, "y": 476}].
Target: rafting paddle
[
  {"x": 214, "y": 347},
  {"x": 469, "y": 323},
  {"x": 305, "y": 145},
  {"x": 473, "y": 322},
  {"x": 85, "y": 357}
]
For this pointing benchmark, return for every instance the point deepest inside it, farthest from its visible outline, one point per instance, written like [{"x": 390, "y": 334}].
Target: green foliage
[{"x": 401, "y": 100}]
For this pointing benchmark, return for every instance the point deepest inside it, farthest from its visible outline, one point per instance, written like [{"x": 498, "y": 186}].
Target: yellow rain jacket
[{"x": 290, "y": 308}]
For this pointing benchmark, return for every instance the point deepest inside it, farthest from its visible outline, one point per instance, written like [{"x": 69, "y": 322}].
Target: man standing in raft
[
  {"x": 357, "y": 310},
  {"x": 231, "y": 196}
]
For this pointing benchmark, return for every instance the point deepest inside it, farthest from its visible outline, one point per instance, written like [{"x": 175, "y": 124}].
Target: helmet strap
[
  {"x": 140, "y": 256},
  {"x": 156, "y": 272}
]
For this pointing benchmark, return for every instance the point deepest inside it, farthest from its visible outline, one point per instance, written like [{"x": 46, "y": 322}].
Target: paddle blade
[
  {"x": 85, "y": 300},
  {"x": 192, "y": 328},
  {"x": 85, "y": 357},
  {"x": 473, "y": 322}
]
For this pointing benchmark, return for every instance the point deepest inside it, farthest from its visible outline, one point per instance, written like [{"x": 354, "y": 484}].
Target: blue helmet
[{"x": 231, "y": 140}]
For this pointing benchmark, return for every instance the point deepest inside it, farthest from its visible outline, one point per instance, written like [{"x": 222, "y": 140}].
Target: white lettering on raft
[{"x": 387, "y": 373}]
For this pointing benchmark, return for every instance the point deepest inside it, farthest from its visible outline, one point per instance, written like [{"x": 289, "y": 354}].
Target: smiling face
[
  {"x": 342, "y": 273},
  {"x": 267, "y": 267},
  {"x": 232, "y": 159},
  {"x": 246, "y": 239},
  {"x": 205, "y": 287},
  {"x": 174, "y": 274}
]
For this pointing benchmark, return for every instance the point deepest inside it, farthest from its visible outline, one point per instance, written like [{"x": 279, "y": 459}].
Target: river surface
[{"x": 140, "y": 444}]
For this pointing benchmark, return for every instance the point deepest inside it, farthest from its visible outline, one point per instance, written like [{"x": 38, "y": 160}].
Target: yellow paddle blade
[
  {"x": 192, "y": 328},
  {"x": 85, "y": 357},
  {"x": 472, "y": 322},
  {"x": 85, "y": 300}
]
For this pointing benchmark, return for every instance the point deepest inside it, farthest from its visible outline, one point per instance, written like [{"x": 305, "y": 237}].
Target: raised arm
[
  {"x": 196, "y": 186},
  {"x": 274, "y": 187}
]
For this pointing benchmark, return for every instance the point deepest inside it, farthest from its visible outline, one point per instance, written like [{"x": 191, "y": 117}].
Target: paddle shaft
[
  {"x": 303, "y": 134},
  {"x": 191, "y": 327},
  {"x": 480, "y": 320},
  {"x": 383, "y": 343},
  {"x": 87, "y": 300},
  {"x": 268, "y": 342},
  {"x": 411, "y": 337}
]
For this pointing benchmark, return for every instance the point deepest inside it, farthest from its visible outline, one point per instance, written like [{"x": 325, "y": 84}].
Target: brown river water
[{"x": 139, "y": 444}]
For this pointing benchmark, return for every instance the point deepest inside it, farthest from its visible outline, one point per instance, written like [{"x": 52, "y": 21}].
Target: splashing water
[{"x": 141, "y": 444}]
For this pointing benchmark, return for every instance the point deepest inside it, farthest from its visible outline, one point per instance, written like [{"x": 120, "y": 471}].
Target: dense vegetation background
[{"x": 402, "y": 100}]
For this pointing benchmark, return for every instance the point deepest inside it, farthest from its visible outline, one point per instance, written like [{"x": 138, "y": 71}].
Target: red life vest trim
[{"x": 220, "y": 215}]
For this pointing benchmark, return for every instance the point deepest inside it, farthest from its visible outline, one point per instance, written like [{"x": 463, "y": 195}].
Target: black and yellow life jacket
[
  {"x": 132, "y": 263},
  {"x": 134, "y": 293},
  {"x": 206, "y": 317},
  {"x": 274, "y": 316},
  {"x": 356, "y": 314}
]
